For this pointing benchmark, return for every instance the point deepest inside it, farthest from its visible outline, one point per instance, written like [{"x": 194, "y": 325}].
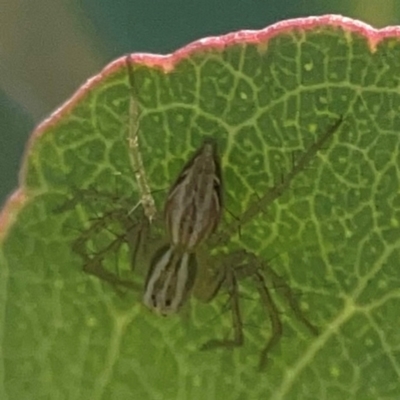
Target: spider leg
[
  {"x": 273, "y": 313},
  {"x": 290, "y": 297},
  {"x": 237, "y": 323},
  {"x": 93, "y": 264}
]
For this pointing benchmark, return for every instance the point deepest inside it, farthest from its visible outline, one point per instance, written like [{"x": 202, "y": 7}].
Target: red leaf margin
[{"x": 167, "y": 63}]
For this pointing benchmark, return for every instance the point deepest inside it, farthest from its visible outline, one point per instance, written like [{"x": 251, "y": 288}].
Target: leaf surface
[{"x": 334, "y": 235}]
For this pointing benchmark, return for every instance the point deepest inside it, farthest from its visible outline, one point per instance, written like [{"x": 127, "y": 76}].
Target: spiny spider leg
[
  {"x": 290, "y": 297},
  {"x": 271, "y": 195},
  {"x": 273, "y": 312},
  {"x": 98, "y": 224},
  {"x": 94, "y": 264},
  {"x": 257, "y": 268},
  {"x": 237, "y": 323},
  {"x": 146, "y": 198},
  {"x": 241, "y": 264},
  {"x": 129, "y": 230}
]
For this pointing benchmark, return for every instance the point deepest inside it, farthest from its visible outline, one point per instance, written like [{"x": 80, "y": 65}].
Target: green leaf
[{"x": 333, "y": 235}]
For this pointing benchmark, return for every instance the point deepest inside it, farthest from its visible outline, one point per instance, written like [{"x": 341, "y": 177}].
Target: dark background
[{"x": 48, "y": 48}]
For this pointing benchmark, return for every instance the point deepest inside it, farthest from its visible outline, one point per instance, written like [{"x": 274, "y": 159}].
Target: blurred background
[{"x": 48, "y": 48}]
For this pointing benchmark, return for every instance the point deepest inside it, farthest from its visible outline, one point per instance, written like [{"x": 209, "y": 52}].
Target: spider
[{"x": 188, "y": 232}]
